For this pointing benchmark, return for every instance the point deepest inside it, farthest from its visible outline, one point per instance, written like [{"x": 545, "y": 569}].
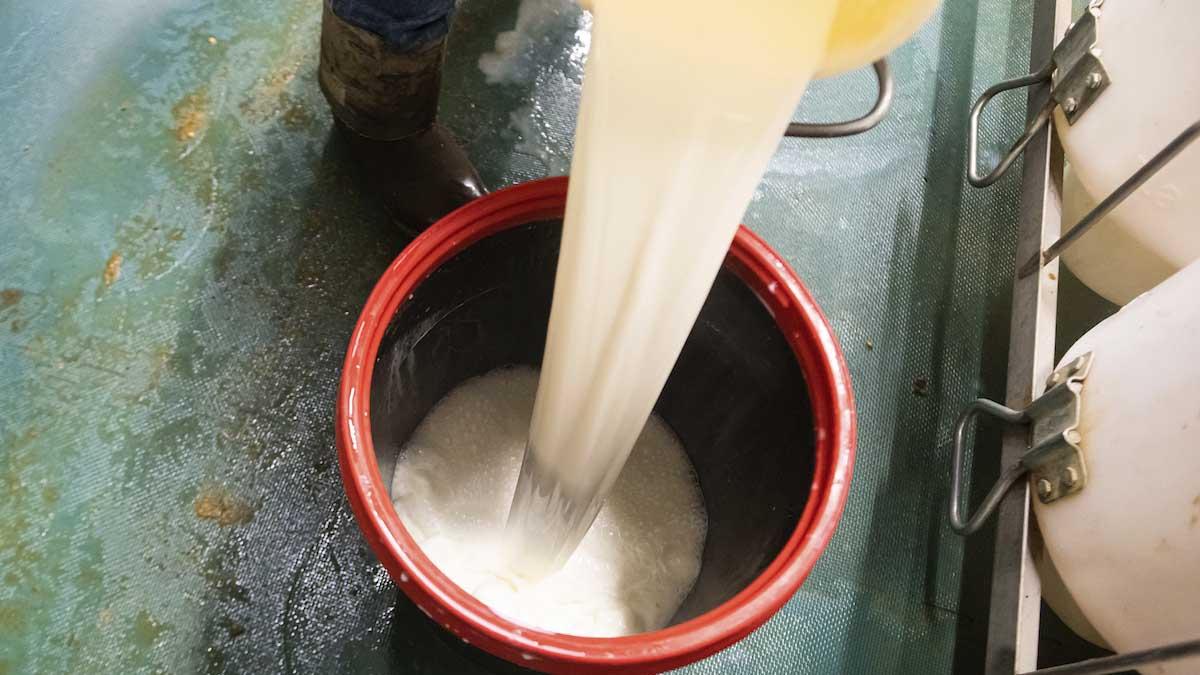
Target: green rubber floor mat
[{"x": 183, "y": 252}]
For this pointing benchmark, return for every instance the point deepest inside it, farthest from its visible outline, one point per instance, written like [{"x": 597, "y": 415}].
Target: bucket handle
[{"x": 883, "y": 103}]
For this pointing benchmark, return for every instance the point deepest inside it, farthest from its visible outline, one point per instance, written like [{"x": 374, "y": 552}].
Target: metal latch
[
  {"x": 1076, "y": 77},
  {"x": 1054, "y": 462}
]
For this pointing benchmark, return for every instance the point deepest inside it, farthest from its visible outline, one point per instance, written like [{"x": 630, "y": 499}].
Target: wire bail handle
[
  {"x": 1054, "y": 460},
  {"x": 1076, "y": 78}
]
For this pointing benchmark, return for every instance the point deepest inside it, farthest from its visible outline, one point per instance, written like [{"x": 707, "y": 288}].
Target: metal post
[{"x": 1016, "y": 590}]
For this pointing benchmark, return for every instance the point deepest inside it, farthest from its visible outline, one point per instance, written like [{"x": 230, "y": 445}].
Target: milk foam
[{"x": 452, "y": 488}]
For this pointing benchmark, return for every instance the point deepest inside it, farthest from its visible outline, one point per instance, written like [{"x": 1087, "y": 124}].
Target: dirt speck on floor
[
  {"x": 190, "y": 115},
  {"x": 214, "y": 502},
  {"x": 112, "y": 269},
  {"x": 234, "y": 628},
  {"x": 296, "y": 116},
  {"x": 920, "y": 386},
  {"x": 159, "y": 360},
  {"x": 146, "y": 630},
  {"x": 12, "y": 616},
  {"x": 269, "y": 95},
  {"x": 10, "y": 297}
]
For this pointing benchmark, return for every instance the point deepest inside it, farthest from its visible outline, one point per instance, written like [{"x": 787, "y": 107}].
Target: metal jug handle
[
  {"x": 883, "y": 103},
  {"x": 1076, "y": 77},
  {"x": 979, "y": 179}
]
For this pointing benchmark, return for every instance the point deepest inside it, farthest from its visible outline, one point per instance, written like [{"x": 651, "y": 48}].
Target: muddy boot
[{"x": 385, "y": 104}]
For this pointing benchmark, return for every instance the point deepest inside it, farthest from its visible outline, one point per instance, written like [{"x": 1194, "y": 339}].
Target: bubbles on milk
[{"x": 453, "y": 484}]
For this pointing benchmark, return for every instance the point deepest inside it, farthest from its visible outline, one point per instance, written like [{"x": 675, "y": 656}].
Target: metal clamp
[
  {"x": 1076, "y": 78},
  {"x": 883, "y": 103},
  {"x": 1054, "y": 462}
]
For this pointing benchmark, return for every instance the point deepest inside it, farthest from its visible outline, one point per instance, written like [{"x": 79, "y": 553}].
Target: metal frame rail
[{"x": 1013, "y": 621}]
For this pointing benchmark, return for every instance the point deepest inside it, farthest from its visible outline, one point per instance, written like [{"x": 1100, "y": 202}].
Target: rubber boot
[{"x": 385, "y": 104}]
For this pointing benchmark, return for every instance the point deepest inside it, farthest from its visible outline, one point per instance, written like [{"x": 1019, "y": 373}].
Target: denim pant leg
[{"x": 403, "y": 24}]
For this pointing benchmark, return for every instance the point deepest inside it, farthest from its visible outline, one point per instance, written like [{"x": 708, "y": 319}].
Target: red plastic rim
[{"x": 799, "y": 320}]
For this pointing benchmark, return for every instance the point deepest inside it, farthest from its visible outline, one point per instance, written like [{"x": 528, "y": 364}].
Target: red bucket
[{"x": 762, "y": 359}]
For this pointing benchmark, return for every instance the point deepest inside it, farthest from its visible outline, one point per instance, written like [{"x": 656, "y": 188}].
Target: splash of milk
[
  {"x": 516, "y": 57},
  {"x": 545, "y": 126}
]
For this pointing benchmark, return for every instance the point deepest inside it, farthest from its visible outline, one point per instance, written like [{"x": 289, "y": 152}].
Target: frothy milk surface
[{"x": 453, "y": 485}]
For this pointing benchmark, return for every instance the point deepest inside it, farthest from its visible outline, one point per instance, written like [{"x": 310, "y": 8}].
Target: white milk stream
[{"x": 683, "y": 104}]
